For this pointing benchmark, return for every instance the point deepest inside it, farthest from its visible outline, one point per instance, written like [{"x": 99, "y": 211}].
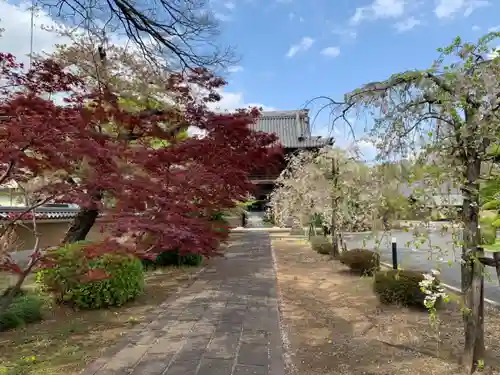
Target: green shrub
[
  {"x": 321, "y": 245},
  {"x": 19, "y": 292},
  {"x": 24, "y": 309},
  {"x": 174, "y": 258},
  {"x": 491, "y": 205},
  {"x": 68, "y": 279},
  {"x": 364, "y": 261},
  {"x": 400, "y": 287},
  {"x": 488, "y": 230},
  {"x": 496, "y": 223}
]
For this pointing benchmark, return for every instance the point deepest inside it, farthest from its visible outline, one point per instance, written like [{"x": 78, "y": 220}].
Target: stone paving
[{"x": 225, "y": 323}]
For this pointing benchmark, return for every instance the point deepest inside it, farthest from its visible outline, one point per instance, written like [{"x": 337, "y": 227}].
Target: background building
[{"x": 294, "y": 133}]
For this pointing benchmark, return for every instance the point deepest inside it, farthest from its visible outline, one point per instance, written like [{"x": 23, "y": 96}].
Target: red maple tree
[{"x": 90, "y": 148}]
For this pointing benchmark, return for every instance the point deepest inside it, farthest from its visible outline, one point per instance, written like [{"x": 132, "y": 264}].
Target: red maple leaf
[{"x": 166, "y": 194}]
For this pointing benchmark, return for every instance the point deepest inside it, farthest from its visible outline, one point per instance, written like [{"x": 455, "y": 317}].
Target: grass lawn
[
  {"x": 67, "y": 340},
  {"x": 336, "y": 325}
]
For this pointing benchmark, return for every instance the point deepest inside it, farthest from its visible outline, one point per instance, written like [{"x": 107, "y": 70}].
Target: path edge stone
[
  {"x": 290, "y": 367},
  {"x": 92, "y": 367}
]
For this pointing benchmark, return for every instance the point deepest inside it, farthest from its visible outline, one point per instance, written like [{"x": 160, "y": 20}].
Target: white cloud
[
  {"x": 476, "y": 28},
  {"x": 293, "y": 16},
  {"x": 449, "y": 8},
  {"x": 494, "y": 29},
  {"x": 16, "y": 20},
  {"x": 304, "y": 44},
  {"x": 494, "y": 53},
  {"x": 345, "y": 33},
  {"x": 222, "y": 17},
  {"x": 235, "y": 100},
  {"x": 367, "y": 149},
  {"x": 475, "y": 4},
  {"x": 235, "y": 69},
  {"x": 230, "y": 5},
  {"x": 379, "y": 9},
  {"x": 331, "y": 51},
  {"x": 407, "y": 24}
]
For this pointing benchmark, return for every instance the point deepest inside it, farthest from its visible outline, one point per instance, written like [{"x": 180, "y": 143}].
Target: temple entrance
[
  {"x": 262, "y": 198},
  {"x": 255, "y": 219}
]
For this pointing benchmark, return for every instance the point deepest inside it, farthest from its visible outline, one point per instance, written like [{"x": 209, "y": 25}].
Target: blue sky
[
  {"x": 294, "y": 50},
  {"x": 339, "y": 45}
]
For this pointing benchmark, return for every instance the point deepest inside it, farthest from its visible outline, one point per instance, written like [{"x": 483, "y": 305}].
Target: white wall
[{"x": 10, "y": 199}]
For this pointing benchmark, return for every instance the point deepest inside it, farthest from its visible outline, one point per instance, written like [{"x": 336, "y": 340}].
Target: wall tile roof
[
  {"x": 291, "y": 127},
  {"x": 47, "y": 213}
]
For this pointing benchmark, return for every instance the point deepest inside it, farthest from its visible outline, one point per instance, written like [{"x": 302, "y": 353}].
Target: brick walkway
[{"x": 225, "y": 323}]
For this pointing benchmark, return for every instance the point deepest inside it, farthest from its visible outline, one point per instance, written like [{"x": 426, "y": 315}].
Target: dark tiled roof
[{"x": 291, "y": 127}]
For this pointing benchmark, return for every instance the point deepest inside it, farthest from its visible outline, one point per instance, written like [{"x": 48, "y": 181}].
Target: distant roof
[
  {"x": 448, "y": 200},
  {"x": 446, "y": 188},
  {"x": 292, "y": 128}
]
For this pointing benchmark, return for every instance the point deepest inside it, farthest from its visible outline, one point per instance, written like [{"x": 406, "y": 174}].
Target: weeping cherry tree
[{"x": 449, "y": 116}]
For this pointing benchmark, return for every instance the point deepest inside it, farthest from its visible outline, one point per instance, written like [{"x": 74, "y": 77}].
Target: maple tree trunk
[
  {"x": 472, "y": 271},
  {"x": 81, "y": 226},
  {"x": 82, "y": 223}
]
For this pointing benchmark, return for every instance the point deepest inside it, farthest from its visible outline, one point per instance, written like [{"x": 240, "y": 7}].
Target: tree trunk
[
  {"x": 472, "y": 270},
  {"x": 312, "y": 229},
  {"x": 496, "y": 258},
  {"x": 81, "y": 226},
  {"x": 335, "y": 241},
  {"x": 83, "y": 221}
]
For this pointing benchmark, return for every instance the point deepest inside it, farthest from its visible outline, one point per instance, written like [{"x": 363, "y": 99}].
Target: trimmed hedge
[
  {"x": 400, "y": 287},
  {"x": 363, "y": 261},
  {"x": 122, "y": 281},
  {"x": 321, "y": 245},
  {"x": 491, "y": 205},
  {"x": 24, "y": 309},
  {"x": 488, "y": 230}
]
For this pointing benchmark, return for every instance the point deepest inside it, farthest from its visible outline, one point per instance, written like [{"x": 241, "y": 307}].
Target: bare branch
[{"x": 178, "y": 34}]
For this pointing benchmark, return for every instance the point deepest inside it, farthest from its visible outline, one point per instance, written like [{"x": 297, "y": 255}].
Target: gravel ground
[{"x": 335, "y": 325}]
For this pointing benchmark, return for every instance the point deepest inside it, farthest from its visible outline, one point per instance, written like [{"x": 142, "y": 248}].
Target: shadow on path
[{"x": 225, "y": 323}]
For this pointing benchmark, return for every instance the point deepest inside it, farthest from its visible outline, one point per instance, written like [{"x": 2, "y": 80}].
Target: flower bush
[{"x": 434, "y": 292}]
